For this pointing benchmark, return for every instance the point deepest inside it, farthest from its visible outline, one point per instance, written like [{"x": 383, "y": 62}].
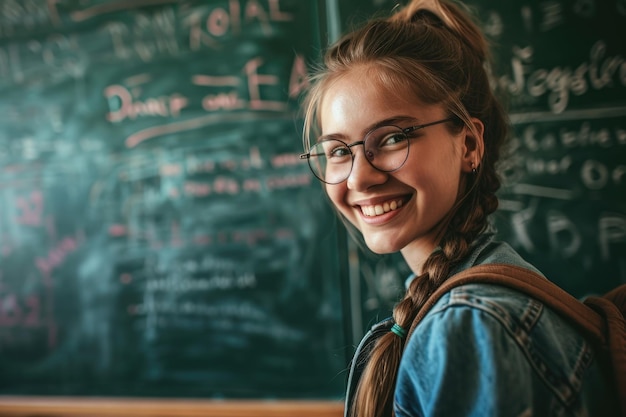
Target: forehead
[
  {"x": 370, "y": 81},
  {"x": 360, "y": 97}
]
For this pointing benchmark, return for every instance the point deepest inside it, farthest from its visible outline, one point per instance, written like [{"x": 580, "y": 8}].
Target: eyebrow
[{"x": 395, "y": 120}]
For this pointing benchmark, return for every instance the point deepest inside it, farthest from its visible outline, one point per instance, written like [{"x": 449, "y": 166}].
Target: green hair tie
[{"x": 398, "y": 330}]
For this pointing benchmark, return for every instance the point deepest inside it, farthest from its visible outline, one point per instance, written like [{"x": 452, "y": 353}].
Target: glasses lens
[
  {"x": 330, "y": 161},
  {"x": 387, "y": 148}
]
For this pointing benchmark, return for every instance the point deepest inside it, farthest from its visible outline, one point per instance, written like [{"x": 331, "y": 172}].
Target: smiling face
[{"x": 400, "y": 210}]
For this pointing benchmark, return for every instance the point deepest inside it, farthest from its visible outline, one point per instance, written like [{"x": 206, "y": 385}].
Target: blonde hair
[{"x": 434, "y": 50}]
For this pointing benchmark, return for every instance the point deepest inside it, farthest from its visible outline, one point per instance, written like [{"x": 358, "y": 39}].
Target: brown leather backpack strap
[
  {"x": 616, "y": 335},
  {"x": 527, "y": 282}
]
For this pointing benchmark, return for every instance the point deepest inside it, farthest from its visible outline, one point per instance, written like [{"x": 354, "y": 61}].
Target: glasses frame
[{"x": 405, "y": 130}]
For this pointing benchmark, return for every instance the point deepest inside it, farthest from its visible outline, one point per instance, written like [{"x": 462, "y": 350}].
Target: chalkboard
[
  {"x": 562, "y": 67},
  {"x": 159, "y": 235}
]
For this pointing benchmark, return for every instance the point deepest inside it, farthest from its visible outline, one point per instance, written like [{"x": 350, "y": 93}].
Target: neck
[{"x": 416, "y": 253}]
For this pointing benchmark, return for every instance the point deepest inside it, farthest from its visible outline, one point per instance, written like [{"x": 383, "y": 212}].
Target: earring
[{"x": 473, "y": 166}]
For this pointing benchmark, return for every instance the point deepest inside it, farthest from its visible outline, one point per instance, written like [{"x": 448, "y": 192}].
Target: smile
[{"x": 379, "y": 209}]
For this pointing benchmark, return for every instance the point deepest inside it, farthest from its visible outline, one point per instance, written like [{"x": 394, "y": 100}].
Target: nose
[{"x": 363, "y": 174}]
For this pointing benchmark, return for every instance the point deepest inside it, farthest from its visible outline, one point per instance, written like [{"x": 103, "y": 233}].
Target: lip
[{"x": 385, "y": 217}]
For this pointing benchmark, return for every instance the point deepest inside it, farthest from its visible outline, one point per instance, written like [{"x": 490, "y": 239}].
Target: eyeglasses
[{"x": 386, "y": 149}]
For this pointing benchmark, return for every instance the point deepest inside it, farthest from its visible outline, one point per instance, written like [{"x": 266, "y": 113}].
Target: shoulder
[
  {"x": 497, "y": 340},
  {"x": 499, "y": 312},
  {"x": 499, "y": 303}
]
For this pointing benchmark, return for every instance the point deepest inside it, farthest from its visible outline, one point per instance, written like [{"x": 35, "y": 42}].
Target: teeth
[{"x": 378, "y": 209}]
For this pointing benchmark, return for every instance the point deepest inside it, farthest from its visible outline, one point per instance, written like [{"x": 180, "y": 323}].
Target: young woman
[{"x": 408, "y": 133}]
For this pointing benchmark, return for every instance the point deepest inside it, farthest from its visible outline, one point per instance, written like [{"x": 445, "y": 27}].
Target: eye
[
  {"x": 392, "y": 139},
  {"x": 333, "y": 150},
  {"x": 338, "y": 151}
]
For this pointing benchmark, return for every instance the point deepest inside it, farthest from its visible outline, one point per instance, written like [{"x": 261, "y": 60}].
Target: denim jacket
[{"x": 485, "y": 350}]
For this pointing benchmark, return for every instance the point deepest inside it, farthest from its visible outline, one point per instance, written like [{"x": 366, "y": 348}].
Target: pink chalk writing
[
  {"x": 223, "y": 21},
  {"x": 124, "y": 104},
  {"x": 292, "y": 181},
  {"x": 57, "y": 255},
  {"x": 254, "y": 81}
]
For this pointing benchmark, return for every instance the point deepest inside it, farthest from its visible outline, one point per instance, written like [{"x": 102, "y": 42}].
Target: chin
[{"x": 383, "y": 247}]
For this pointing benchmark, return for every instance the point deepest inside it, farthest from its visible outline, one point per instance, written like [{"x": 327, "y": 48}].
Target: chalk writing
[
  {"x": 124, "y": 105},
  {"x": 564, "y": 236},
  {"x": 600, "y": 72},
  {"x": 20, "y": 312},
  {"x": 57, "y": 255},
  {"x": 25, "y": 15},
  {"x": 218, "y": 282},
  {"x": 30, "y": 209},
  {"x": 42, "y": 61},
  {"x": 585, "y": 136},
  {"x": 597, "y": 175},
  {"x": 550, "y": 15},
  {"x": 565, "y": 239},
  {"x": 291, "y": 181},
  {"x": 149, "y": 36},
  {"x": 146, "y": 36},
  {"x": 243, "y": 237},
  {"x": 542, "y": 191},
  {"x": 611, "y": 229},
  {"x": 151, "y": 197},
  {"x": 206, "y": 29},
  {"x": 569, "y": 162},
  {"x": 538, "y": 166}
]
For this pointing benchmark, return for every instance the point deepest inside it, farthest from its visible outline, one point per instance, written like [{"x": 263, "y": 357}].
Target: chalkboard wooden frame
[{"x": 137, "y": 407}]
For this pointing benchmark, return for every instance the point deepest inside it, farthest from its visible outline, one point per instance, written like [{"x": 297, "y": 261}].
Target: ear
[{"x": 473, "y": 145}]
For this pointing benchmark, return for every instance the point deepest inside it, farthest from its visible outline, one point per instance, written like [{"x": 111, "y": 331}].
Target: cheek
[
  {"x": 336, "y": 195},
  {"x": 435, "y": 177}
]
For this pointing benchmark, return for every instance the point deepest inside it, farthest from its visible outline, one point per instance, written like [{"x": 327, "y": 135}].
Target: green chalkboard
[
  {"x": 159, "y": 235},
  {"x": 562, "y": 67}
]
